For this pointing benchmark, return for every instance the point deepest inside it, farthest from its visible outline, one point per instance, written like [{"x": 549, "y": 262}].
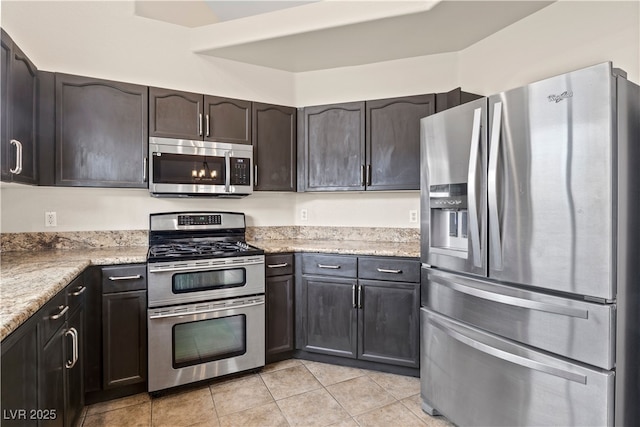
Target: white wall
[{"x": 105, "y": 39}]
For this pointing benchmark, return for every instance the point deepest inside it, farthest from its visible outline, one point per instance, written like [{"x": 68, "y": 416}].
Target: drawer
[
  {"x": 122, "y": 278},
  {"x": 53, "y": 315},
  {"x": 389, "y": 268},
  {"x": 278, "y": 264},
  {"x": 75, "y": 293},
  {"x": 330, "y": 265}
]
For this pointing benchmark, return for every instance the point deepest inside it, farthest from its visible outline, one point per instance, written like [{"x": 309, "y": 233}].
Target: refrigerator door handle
[
  {"x": 495, "y": 243},
  {"x": 471, "y": 184},
  {"x": 510, "y": 357},
  {"x": 515, "y": 301}
]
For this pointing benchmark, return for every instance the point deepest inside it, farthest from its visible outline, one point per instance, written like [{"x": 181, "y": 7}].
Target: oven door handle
[
  {"x": 204, "y": 267},
  {"x": 208, "y": 310}
]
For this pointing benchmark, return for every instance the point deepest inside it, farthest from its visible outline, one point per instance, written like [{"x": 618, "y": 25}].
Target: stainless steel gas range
[{"x": 206, "y": 289}]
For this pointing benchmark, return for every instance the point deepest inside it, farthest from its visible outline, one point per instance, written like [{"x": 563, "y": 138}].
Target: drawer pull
[
  {"x": 80, "y": 291},
  {"x": 284, "y": 264},
  {"x": 330, "y": 267},
  {"x": 116, "y": 278},
  {"x": 63, "y": 309},
  {"x": 384, "y": 270}
]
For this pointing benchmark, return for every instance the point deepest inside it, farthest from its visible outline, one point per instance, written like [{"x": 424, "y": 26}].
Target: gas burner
[{"x": 199, "y": 249}]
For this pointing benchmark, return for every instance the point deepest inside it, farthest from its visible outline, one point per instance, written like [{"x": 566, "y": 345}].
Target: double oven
[{"x": 206, "y": 302}]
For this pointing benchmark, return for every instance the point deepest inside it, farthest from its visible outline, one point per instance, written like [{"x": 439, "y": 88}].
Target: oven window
[
  {"x": 209, "y": 280},
  {"x": 205, "y": 341},
  {"x": 188, "y": 169}
]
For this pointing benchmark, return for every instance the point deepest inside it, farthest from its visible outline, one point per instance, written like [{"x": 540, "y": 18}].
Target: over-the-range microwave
[{"x": 183, "y": 168}]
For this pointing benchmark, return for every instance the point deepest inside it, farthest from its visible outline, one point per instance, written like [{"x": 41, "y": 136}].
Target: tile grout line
[{"x": 271, "y": 394}]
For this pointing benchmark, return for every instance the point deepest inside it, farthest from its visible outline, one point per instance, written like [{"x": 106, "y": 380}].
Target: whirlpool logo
[{"x": 557, "y": 98}]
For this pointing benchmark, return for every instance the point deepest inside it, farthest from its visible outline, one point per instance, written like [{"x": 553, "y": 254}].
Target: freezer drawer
[
  {"x": 474, "y": 378},
  {"x": 575, "y": 329}
]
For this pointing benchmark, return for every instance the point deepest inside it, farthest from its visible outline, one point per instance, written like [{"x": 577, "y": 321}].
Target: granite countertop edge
[{"x": 29, "y": 279}]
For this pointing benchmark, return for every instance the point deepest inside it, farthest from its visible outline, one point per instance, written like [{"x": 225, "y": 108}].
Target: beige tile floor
[{"x": 289, "y": 393}]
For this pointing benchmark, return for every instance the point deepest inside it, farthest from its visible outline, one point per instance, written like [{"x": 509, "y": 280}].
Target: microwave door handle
[
  {"x": 471, "y": 182},
  {"x": 494, "y": 219},
  {"x": 227, "y": 175}
]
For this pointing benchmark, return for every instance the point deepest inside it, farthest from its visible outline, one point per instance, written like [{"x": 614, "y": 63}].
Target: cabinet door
[
  {"x": 124, "y": 338},
  {"x": 388, "y": 324},
  {"x": 20, "y": 375},
  {"x": 453, "y": 98},
  {"x": 279, "y": 316},
  {"x": 5, "y": 84},
  {"x": 330, "y": 317},
  {"x": 334, "y": 147},
  {"x": 101, "y": 133},
  {"x": 175, "y": 114},
  {"x": 19, "y": 144},
  {"x": 74, "y": 368},
  {"x": 227, "y": 120},
  {"x": 51, "y": 381},
  {"x": 274, "y": 142},
  {"x": 393, "y": 141}
]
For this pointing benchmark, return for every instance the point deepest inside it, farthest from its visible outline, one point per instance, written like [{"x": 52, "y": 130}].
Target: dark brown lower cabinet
[{"x": 279, "y": 311}]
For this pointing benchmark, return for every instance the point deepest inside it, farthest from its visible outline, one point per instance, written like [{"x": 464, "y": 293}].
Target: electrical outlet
[
  {"x": 50, "y": 219},
  {"x": 413, "y": 215},
  {"x": 304, "y": 215}
]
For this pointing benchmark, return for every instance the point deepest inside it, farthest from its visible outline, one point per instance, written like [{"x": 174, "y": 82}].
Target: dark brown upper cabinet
[
  {"x": 186, "y": 115},
  {"x": 19, "y": 99},
  {"x": 453, "y": 98},
  {"x": 393, "y": 141},
  {"x": 274, "y": 152},
  {"x": 101, "y": 132},
  {"x": 333, "y": 144}
]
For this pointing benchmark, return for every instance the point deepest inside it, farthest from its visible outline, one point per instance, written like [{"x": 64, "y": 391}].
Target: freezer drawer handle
[
  {"x": 518, "y": 302},
  {"x": 494, "y": 219},
  {"x": 471, "y": 180},
  {"x": 510, "y": 357}
]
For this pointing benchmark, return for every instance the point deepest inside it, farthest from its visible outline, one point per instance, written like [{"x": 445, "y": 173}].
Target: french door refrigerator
[{"x": 530, "y": 234}]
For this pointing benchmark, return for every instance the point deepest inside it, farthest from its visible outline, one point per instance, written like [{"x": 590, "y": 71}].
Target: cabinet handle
[
  {"x": 63, "y": 309},
  {"x": 362, "y": 175},
  {"x": 330, "y": 267},
  {"x": 200, "y": 124},
  {"x": 80, "y": 291},
  {"x": 116, "y": 278},
  {"x": 74, "y": 340},
  {"x": 353, "y": 296},
  {"x": 359, "y": 296},
  {"x": 255, "y": 175},
  {"x": 384, "y": 270},
  {"x": 368, "y": 175},
  {"x": 18, "y": 169},
  {"x": 284, "y": 264},
  {"x": 208, "y": 125},
  {"x": 144, "y": 170}
]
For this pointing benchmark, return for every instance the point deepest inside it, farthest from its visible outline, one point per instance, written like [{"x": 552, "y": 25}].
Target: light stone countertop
[{"x": 28, "y": 279}]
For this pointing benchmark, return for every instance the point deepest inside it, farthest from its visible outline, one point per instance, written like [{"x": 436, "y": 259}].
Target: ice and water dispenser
[{"x": 449, "y": 217}]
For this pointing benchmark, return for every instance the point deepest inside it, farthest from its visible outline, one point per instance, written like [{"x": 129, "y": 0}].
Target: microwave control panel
[{"x": 240, "y": 171}]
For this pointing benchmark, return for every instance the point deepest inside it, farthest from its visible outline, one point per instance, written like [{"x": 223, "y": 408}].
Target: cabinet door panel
[
  {"x": 101, "y": 132},
  {"x": 75, "y": 379},
  {"x": 5, "y": 81},
  {"x": 389, "y": 322},
  {"x": 124, "y": 338},
  {"x": 334, "y": 145},
  {"x": 279, "y": 313},
  {"x": 227, "y": 120},
  {"x": 175, "y": 114},
  {"x": 274, "y": 141},
  {"x": 393, "y": 141},
  {"x": 51, "y": 381},
  {"x": 331, "y": 319}
]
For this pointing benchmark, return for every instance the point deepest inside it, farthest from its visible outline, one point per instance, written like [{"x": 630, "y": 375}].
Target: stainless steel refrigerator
[{"x": 530, "y": 234}]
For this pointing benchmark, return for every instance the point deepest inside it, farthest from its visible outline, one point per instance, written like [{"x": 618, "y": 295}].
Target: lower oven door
[{"x": 194, "y": 342}]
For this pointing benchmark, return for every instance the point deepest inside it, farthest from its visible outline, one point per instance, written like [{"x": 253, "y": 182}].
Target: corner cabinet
[
  {"x": 101, "y": 132},
  {"x": 186, "y": 115},
  {"x": 279, "y": 307},
  {"x": 274, "y": 152},
  {"x": 19, "y": 103},
  {"x": 364, "y": 308}
]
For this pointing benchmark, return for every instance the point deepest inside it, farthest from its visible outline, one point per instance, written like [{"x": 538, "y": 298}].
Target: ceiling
[{"x": 299, "y": 36}]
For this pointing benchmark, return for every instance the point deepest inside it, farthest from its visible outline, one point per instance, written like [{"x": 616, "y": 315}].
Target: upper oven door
[
  {"x": 178, "y": 282},
  {"x": 185, "y": 167}
]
